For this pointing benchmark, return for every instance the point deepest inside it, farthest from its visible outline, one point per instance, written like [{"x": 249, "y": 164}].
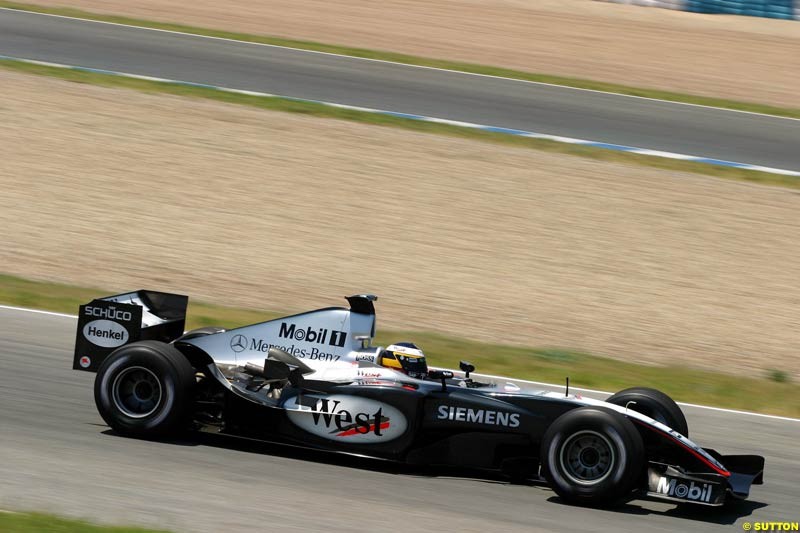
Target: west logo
[
  {"x": 671, "y": 487},
  {"x": 347, "y": 419},
  {"x": 347, "y": 423},
  {"x": 478, "y": 416},
  {"x": 319, "y": 336}
]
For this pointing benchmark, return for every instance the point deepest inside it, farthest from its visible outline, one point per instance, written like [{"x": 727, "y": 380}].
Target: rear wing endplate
[{"x": 107, "y": 323}]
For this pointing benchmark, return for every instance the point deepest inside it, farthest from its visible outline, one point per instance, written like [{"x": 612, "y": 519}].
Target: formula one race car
[{"x": 315, "y": 380}]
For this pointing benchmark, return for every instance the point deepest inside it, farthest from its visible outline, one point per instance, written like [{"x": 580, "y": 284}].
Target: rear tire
[
  {"x": 592, "y": 456},
  {"x": 145, "y": 389},
  {"x": 655, "y": 404}
]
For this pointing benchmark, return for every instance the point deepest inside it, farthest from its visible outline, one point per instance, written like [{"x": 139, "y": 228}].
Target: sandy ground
[
  {"x": 744, "y": 58},
  {"x": 124, "y": 190}
]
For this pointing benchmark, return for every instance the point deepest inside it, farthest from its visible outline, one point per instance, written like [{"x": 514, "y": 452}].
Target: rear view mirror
[
  {"x": 466, "y": 367},
  {"x": 442, "y": 375}
]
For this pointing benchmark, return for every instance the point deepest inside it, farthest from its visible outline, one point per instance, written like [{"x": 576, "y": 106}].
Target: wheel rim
[
  {"x": 136, "y": 392},
  {"x": 587, "y": 457}
]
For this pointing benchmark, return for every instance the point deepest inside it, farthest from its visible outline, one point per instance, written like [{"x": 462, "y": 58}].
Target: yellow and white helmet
[{"x": 405, "y": 357}]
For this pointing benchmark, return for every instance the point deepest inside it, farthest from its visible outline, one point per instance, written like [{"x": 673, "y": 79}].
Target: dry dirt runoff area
[
  {"x": 741, "y": 58},
  {"x": 125, "y": 190}
]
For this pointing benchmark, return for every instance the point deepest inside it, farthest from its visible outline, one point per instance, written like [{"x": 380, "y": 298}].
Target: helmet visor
[{"x": 414, "y": 366}]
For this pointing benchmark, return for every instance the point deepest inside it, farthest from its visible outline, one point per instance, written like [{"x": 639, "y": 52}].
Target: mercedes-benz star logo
[{"x": 238, "y": 343}]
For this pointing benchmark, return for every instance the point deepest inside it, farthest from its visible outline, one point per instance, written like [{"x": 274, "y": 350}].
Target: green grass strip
[
  {"x": 38, "y": 523},
  {"x": 550, "y": 365},
  {"x": 416, "y": 60},
  {"x": 320, "y": 110}
]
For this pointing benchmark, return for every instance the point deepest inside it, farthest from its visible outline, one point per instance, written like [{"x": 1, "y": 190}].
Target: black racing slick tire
[
  {"x": 655, "y": 404},
  {"x": 145, "y": 390},
  {"x": 592, "y": 456}
]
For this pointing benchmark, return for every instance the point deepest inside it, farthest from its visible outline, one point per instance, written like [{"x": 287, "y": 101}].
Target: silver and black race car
[{"x": 315, "y": 380}]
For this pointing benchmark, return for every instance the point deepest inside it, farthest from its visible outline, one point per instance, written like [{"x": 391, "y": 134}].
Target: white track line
[
  {"x": 490, "y": 376},
  {"x": 175, "y": 32},
  {"x": 37, "y": 311},
  {"x": 737, "y": 412}
]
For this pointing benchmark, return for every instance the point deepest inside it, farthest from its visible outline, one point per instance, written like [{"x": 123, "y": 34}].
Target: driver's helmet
[{"x": 405, "y": 357}]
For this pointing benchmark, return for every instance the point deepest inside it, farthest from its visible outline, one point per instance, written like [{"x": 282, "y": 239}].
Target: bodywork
[{"x": 329, "y": 393}]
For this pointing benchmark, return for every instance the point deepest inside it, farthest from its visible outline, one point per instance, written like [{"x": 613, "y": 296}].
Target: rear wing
[{"x": 107, "y": 323}]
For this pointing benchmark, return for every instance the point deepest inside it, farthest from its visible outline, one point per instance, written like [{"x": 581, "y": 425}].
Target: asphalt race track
[
  {"x": 656, "y": 125},
  {"x": 57, "y": 455}
]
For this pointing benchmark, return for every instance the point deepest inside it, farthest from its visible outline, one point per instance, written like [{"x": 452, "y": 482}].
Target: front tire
[
  {"x": 145, "y": 390},
  {"x": 655, "y": 404},
  {"x": 592, "y": 456}
]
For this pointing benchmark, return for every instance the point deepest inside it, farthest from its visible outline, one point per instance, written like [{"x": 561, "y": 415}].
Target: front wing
[{"x": 670, "y": 482}]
